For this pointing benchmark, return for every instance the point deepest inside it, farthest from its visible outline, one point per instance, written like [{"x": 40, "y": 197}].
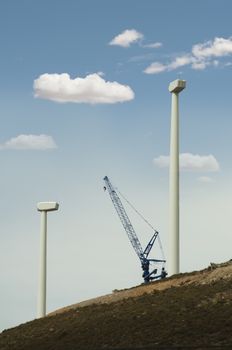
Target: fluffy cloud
[
  {"x": 126, "y": 38},
  {"x": 29, "y": 142},
  {"x": 92, "y": 89},
  {"x": 201, "y": 56},
  {"x": 191, "y": 162},
  {"x": 180, "y": 62},
  {"x": 217, "y": 48}
]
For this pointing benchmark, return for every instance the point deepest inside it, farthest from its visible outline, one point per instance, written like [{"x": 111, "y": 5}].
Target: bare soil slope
[{"x": 191, "y": 310}]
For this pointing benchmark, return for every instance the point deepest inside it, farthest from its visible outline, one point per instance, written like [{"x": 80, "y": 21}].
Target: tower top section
[
  {"x": 177, "y": 86},
  {"x": 47, "y": 206}
]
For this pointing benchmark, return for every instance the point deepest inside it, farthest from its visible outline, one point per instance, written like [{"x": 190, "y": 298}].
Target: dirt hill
[{"x": 186, "y": 311}]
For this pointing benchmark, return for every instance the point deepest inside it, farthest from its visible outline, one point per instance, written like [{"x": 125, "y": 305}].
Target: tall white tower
[
  {"x": 43, "y": 207},
  {"x": 175, "y": 87}
]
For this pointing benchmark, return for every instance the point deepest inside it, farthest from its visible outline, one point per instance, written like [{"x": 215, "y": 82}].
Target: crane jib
[{"x": 142, "y": 254}]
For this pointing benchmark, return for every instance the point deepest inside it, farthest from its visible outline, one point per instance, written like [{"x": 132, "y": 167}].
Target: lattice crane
[{"x": 142, "y": 254}]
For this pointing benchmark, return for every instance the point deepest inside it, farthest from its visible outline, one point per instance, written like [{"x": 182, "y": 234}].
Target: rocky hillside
[{"x": 186, "y": 311}]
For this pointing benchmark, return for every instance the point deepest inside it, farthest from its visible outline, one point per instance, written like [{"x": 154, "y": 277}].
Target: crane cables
[{"x": 145, "y": 220}]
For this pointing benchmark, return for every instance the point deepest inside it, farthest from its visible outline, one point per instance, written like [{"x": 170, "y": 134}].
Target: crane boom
[
  {"x": 124, "y": 218},
  {"x": 143, "y": 255}
]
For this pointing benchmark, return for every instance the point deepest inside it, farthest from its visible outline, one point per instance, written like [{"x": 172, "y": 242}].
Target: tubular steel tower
[
  {"x": 44, "y": 208},
  {"x": 175, "y": 88}
]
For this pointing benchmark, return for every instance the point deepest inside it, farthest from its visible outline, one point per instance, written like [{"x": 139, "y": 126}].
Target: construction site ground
[{"x": 186, "y": 311}]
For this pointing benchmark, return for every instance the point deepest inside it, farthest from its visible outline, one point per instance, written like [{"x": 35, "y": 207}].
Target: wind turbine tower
[
  {"x": 175, "y": 87},
  {"x": 44, "y": 208}
]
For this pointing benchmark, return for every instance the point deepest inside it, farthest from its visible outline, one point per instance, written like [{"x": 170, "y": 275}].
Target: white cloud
[
  {"x": 191, "y": 162},
  {"x": 29, "y": 142},
  {"x": 180, "y": 62},
  {"x": 161, "y": 161},
  {"x": 153, "y": 45},
  {"x": 201, "y": 56},
  {"x": 217, "y": 48},
  {"x": 202, "y": 64},
  {"x": 126, "y": 38},
  {"x": 205, "y": 179},
  {"x": 92, "y": 89},
  {"x": 155, "y": 67},
  {"x": 199, "y": 65}
]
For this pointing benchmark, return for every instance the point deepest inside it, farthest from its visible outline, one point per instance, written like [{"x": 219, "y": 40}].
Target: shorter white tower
[
  {"x": 175, "y": 88},
  {"x": 43, "y": 207}
]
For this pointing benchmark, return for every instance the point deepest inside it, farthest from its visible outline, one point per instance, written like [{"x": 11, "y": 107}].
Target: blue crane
[{"x": 142, "y": 254}]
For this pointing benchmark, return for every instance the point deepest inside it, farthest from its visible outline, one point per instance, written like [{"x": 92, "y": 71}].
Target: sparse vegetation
[{"x": 192, "y": 311}]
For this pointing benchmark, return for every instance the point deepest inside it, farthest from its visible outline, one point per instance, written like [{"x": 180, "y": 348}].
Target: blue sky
[{"x": 84, "y": 94}]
